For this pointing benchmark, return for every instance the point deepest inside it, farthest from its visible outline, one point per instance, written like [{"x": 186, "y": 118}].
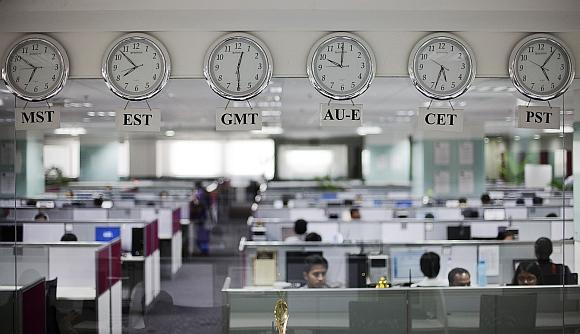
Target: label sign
[
  {"x": 37, "y": 118},
  {"x": 340, "y": 114},
  {"x": 538, "y": 117},
  {"x": 238, "y": 119},
  {"x": 441, "y": 119},
  {"x": 138, "y": 120}
]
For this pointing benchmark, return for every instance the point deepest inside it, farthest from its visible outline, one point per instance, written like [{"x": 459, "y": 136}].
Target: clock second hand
[{"x": 438, "y": 77}]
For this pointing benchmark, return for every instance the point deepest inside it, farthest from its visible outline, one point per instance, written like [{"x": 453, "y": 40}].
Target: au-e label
[
  {"x": 138, "y": 120},
  {"x": 441, "y": 119},
  {"x": 340, "y": 115},
  {"x": 238, "y": 119},
  {"x": 37, "y": 118},
  {"x": 538, "y": 117}
]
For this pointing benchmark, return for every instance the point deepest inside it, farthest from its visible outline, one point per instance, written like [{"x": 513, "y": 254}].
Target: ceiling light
[
  {"x": 462, "y": 104},
  {"x": 410, "y": 112},
  {"x": 508, "y": 119},
  {"x": 275, "y": 90},
  {"x": 269, "y": 130},
  {"x": 70, "y": 131},
  {"x": 536, "y": 137},
  {"x": 101, "y": 113},
  {"x": 516, "y": 138},
  {"x": 91, "y": 113},
  {"x": 369, "y": 130},
  {"x": 170, "y": 133},
  {"x": 111, "y": 113}
]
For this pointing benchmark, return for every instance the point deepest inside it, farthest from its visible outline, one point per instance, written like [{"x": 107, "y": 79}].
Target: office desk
[{"x": 75, "y": 293}]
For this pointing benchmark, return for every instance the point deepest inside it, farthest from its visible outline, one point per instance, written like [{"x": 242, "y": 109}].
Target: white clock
[
  {"x": 541, "y": 67},
  {"x": 35, "y": 68},
  {"x": 341, "y": 66},
  {"x": 238, "y": 66},
  {"x": 136, "y": 66},
  {"x": 442, "y": 66}
]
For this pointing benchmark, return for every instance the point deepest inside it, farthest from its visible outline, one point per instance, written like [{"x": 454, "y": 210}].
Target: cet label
[
  {"x": 37, "y": 118},
  {"x": 238, "y": 119},
  {"x": 340, "y": 115},
  {"x": 440, "y": 119},
  {"x": 538, "y": 117},
  {"x": 138, "y": 120}
]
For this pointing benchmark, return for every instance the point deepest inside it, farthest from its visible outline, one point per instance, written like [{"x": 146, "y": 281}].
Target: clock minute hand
[
  {"x": 335, "y": 63},
  {"x": 548, "y": 59},
  {"x": 438, "y": 77},
  {"x": 129, "y": 59},
  {"x": 342, "y": 55},
  {"x": 27, "y": 62}
]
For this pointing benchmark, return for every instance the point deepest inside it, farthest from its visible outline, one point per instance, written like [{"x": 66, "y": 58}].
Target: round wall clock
[
  {"x": 341, "y": 66},
  {"x": 136, "y": 66},
  {"x": 238, "y": 66},
  {"x": 442, "y": 66},
  {"x": 541, "y": 67},
  {"x": 35, "y": 68}
]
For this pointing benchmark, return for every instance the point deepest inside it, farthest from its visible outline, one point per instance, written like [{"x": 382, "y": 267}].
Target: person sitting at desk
[
  {"x": 485, "y": 199},
  {"x": 315, "y": 268},
  {"x": 528, "y": 273},
  {"x": 506, "y": 235},
  {"x": 313, "y": 236},
  {"x": 300, "y": 228},
  {"x": 459, "y": 277},
  {"x": 354, "y": 213},
  {"x": 430, "y": 265},
  {"x": 543, "y": 248},
  {"x": 41, "y": 217},
  {"x": 69, "y": 237}
]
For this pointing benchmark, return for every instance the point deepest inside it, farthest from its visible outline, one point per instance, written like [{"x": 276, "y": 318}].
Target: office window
[
  {"x": 249, "y": 158},
  {"x": 189, "y": 158},
  {"x": 63, "y": 154},
  {"x": 307, "y": 162}
]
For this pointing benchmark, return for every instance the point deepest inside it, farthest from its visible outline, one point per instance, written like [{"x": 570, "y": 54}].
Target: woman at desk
[{"x": 528, "y": 273}]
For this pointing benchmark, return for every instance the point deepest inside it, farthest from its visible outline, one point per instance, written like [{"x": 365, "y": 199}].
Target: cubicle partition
[
  {"x": 492, "y": 310},
  {"x": 23, "y": 307}
]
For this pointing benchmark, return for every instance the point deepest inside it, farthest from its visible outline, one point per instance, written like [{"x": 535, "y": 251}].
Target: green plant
[
  {"x": 326, "y": 183},
  {"x": 512, "y": 171}
]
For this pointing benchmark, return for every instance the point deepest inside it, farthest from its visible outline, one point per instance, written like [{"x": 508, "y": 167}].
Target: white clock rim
[
  {"x": 470, "y": 55},
  {"x": 62, "y": 54},
  {"x": 213, "y": 48},
  {"x": 512, "y": 67},
  {"x": 336, "y": 35},
  {"x": 136, "y": 36}
]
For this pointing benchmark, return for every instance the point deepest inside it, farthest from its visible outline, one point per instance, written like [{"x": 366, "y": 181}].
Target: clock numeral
[
  {"x": 17, "y": 58},
  {"x": 424, "y": 76},
  {"x": 256, "y": 57},
  {"x": 238, "y": 46},
  {"x": 25, "y": 50},
  {"x": 220, "y": 77},
  {"x": 559, "y": 76},
  {"x": 216, "y": 66},
  {"x": 432, "y": 84},
  {"x": 155, "y": 76},
  {"x": 362, "y": 65},
  {"x": 452, "y": 84},
  {"x": 118, "y": 78},
  {"x": 521, "y": 67},
  {"x": 53, "y": 77},
  {"x": 351, "y": 47},
  {"x": 559, "y": 56},
  {"x": 442, "y": 87},
  {"x": 452, "y": 47},
  {"x": 115, "y": 67},
  {"x": 524, "y": 78},
  {"x": 248, "y": 48},
  {"x": 524, "y": 57},
  {"x": 420, "y": 66},
  {"x": 126, "y": 85},
  {"x": 257, "y": 77},
  {"x": 533, "y": 83},
  {"x": 117, "y": 57},
  {"x": 329, "y": 48},
  {"x": 553, "y": 85},
  {"x": 220, "y": 57},
  {"x": 125, "y": 48},
  {"x": 34, "y": 47},
  {"x": 35, "y": 89},
  {"x": 331, "y": 84},
  {"x": 146, "y": 48},
  {"x": 136, "y": 46},
  {"x": 320, "y": 67},
  {"x": 56, "y": 67},
  {"x": 460, "y": 77},
  {"x": 352, "y": 84},
  {"x": 322, "y": 56},
  {"x": 561, "y": 66},
  {"x": 228, "y": 84},
  {"x": 462, "y": 66},
  {"x": 359, "y": 55},
  {"x": 530, "y": 49},
  {"x": 13, "y": 69},
  {"x": 45, "y": 49},
  {"x": 249, "y": 85},
  {"x": 136, "y": 88},
  {"x": 17, "y": 79},
  {"x": 542, "y": 88},
  {"x": 46, "y": 86},
  {"x": 541, "y": 46},
  {"x": 53, "y": 56},
  {"x": 441, "y": 46},
  {"x": 360, "y": 75},
  {"x": 158, "y": 67},
  {"x": 431, "y": 47},
  {"x": 228, "y": 48},
  {"x": 147, "y": 85},
  {"x": 259, "y": 66},
  {"x": 459, "y": 55},
  {"x": 323, "y": 78},
  {"x": 424, "y": 56},
  {"x": 341, "y": 87},
  {"x": 154, "y": 55}
]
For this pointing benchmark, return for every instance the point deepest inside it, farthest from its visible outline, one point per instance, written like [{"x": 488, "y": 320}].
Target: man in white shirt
[
  {"x": 300, "y": 228},
  {"x": 315, "y": 268},
  {"x": 430, "y": 266}
]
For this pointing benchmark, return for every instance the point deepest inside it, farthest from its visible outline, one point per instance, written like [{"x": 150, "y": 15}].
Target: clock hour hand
[
  {"x": 444, "y": 75},
  {"x": 335, "y": 63},
  {"x": 342, "y": 55},
  {"x": 129, "y": 59},
  {"x": 438, "y": 77},
  {"x": 545, "y": 74},
  {"x": 440, "y": 64},
  {"x": 238, "y": 69},
  {"x": 131, "y": 69}
]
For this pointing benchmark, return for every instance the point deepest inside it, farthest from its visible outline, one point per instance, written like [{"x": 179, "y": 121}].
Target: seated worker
[
  {"x": 520, "y": 202},
  {"x": 313, "y": 236},
  {"x": 528, "y": 273},
  {"x": 69, "y": 237},
  {"x": 41, "y": 217},
  {"x": 543, "y": 249},
  {"x": 466, "y": 211},
  {"x": 506, "y": 235},
  {"x": 537, "y": 200},
  {"x": 459, "y": 277},
  {"x": 430, "y": 265},
  {"x": 315, "y": 268},
  {"x": 552, "y": 215},
  {"x": 354, "y": 213},
  {"x": 300, "y": 228},
  {"x": 485, "y": 199}
]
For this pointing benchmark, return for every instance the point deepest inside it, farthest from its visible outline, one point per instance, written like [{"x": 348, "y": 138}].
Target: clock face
[
  {"x": 136, "y": 67},
  {"x": 442, "y": 66},
  {"x": 541, "y": 67},
  {"x": 35, "y": 68},
  {"x": 238, "y": 67},
  {"x": 341, "y": 66}
]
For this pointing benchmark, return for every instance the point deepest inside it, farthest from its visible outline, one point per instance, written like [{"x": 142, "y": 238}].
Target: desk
[{"x": 75, "y": 293}]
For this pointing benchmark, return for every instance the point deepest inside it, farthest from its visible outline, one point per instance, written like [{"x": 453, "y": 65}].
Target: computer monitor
[
  {"x": 9, "y": 234},
  {"x": 295, "y": 266},
  {"x": 494, "y": 214},
  {"x": 107, "y": 233},
  {"x": 460, "y": 232},
  {"x": 405, "y": 262}
]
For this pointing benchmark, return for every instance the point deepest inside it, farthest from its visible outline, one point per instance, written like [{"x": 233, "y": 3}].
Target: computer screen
[
  {"x": 494, "y": 214},
  {"x": 405, "y": 262},
  {"x": 461, "y": 232},
  {"x": 8, "y": 234},
  {"x": 107, "y": 233},
  {"x": 295, "y": 266}
]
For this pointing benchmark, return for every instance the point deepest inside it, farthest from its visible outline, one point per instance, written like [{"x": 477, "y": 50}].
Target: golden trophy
[{"x": 281, "y": 315}]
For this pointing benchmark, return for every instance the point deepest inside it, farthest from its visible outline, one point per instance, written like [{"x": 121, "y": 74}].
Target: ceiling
[{"x": 188, "y": 108}]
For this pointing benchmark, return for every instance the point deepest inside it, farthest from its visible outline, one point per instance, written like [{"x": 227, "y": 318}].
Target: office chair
[
  {"x": 51, "y": 314},
  {"x": 509, "y": 314}
]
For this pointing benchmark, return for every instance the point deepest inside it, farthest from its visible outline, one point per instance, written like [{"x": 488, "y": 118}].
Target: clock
[
  {"x": 341, "y": 66},
  {"x": 136, "y": 66},
  {"x": 35, "y": 68},
  {"x": 541, "y": 67},
  {"x": 238, "y": 66},
  {"x": 442, "y": 66}
]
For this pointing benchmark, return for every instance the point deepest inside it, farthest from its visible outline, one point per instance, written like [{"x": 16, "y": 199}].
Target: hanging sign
[
  {"x": 37, "y": 118},
  {"x": 441, "y": 119},
  {"x": 138, "y": 120},
  {"x": 238, "y": 119},
  {"x": 340, "y": 115},
  {"x": 538, "y": 117}
]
